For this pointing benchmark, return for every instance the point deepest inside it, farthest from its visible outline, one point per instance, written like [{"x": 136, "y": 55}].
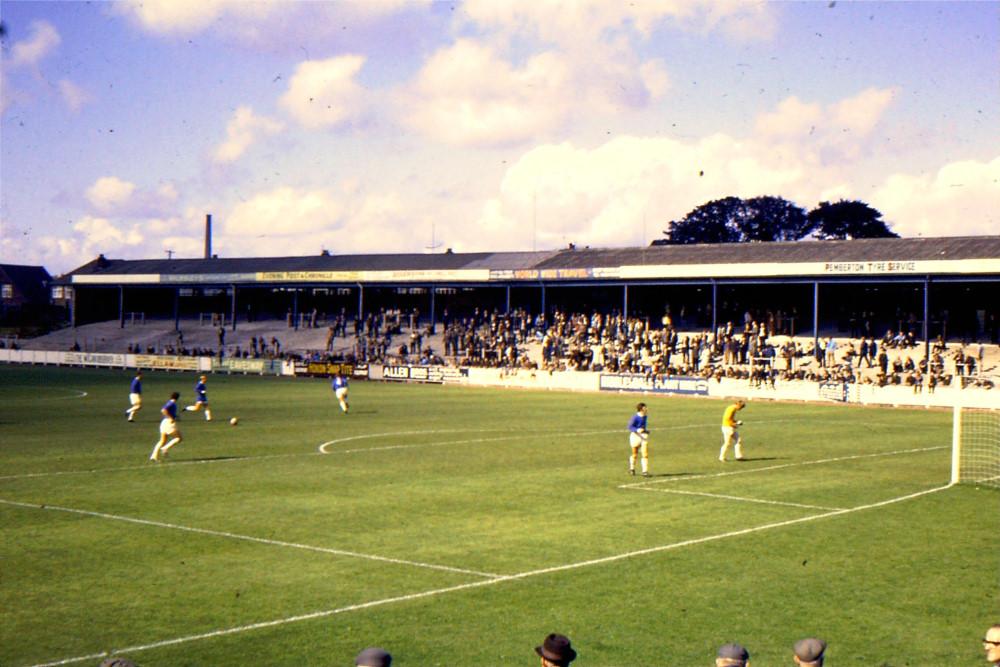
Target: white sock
[
  {"x": 645, "y": 465},
  {"x": 208, "y": 415},
  {"x": 190, "y": 408},
  {"x": 170, "y": 444}
]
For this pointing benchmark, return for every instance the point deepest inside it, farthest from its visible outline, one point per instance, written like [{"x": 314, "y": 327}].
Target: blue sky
[{"x": 403, "y": 126}]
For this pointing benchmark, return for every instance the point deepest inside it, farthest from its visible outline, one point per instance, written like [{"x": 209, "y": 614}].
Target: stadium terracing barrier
[
  {"x": 795, "y": 390},
  {"x": 783, "y": 390},
  {"x": 166, "y": 362}
]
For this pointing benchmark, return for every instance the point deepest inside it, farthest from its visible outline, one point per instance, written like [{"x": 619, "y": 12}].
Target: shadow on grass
[
  {"x": 748, "y": 459},
  {"x": 214, "y": 458}
]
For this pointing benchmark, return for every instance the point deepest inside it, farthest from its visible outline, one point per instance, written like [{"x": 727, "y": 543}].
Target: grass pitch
[{"x": 459, "y": 526}]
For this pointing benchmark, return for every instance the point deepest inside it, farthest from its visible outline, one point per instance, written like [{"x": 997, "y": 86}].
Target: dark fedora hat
[{"x": 557, "y": 648}]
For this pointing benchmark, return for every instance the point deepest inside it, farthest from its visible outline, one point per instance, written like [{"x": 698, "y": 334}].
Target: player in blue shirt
[
  {"x": 638, "y": 440},
  {"x": 135, "y": 396},
  {"x": 201, "y": 398},
  {"x": 170, "y": 435},
  {"x": 339, "y": 386}
]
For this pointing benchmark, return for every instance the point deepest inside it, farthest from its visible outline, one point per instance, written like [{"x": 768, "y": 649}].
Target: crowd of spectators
[
  {"x": 616, "y": 344},
  {"x": 557, "y": 650},
  {"x": 753, "y": 350}
]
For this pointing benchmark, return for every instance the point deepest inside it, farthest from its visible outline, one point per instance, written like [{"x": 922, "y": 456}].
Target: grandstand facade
[{"x": 931, "y": 286}]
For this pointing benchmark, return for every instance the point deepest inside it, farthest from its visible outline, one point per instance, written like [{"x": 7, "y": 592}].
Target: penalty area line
[
  {"x": 491, "y": 582},
  {"x": 738, "y": 498},
  {"x": 249, "y": 538},
  {"x": 747, "y": 471}
]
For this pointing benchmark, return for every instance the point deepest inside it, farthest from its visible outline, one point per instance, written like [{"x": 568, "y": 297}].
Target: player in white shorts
[
  {"x": 170, "y": 434},
  {"x": 201, "y": 398},
  {"x": 339, "y": 386},
  {"x": 135, "y": 396},
  {"x": 638, "y": 440},
  {"x": 730, "y": 436}
]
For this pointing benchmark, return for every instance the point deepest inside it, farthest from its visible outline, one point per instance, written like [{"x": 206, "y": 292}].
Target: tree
[
  {"x": 849, "y": 220},
  {"x": 734, "y": 220},
  {"x": 774, "y": 219}
]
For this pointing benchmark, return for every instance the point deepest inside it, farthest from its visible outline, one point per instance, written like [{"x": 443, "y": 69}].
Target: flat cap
[
  {"x": 810, "y": 649},
  {"x": 733, "y": 652},
  {"x": 373, "y": 657}
]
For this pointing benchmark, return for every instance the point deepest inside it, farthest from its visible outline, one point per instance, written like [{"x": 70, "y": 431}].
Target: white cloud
[
  {"x": 792, "y": 118},
  {"x": 569, "y": 23},
  {"x": 256, "y": 24},
  {"x": 466, "y": 95},
  {"x": 243, "y": 130},
  {"x": 110, "y": 193},
  {"x": 960, "y": 199},
  {"x": 323, "y": 93},
  {"x": 860, "y": 114},
  {"x": 73, "y": 95},
  {"x": 186, "y": 16},
  {"x": 43, "y": 41},
  {"x": 284, "y": 212}
]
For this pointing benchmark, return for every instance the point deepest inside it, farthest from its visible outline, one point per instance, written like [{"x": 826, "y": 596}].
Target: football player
[
  {"x": 730, "y": 436},
  {"x": 638, "y": 440},
  {"x": 201, "y": 398},
  {"x": 170, "y": 434}
]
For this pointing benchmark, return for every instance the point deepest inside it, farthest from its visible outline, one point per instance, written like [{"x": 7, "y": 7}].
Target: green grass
[{"x": 515, "y": 496}]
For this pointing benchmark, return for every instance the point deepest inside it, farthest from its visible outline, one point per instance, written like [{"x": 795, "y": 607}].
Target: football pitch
[{"x": 459, "y": 526}]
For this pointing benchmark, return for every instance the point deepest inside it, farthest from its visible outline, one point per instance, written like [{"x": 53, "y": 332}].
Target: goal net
[{"x": 975, "y": 457}]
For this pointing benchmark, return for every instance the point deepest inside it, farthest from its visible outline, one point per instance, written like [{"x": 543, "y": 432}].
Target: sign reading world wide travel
[{"x": 657, "y": 384}]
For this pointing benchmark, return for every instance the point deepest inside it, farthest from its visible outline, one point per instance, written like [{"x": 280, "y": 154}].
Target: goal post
[{"x": 975, "y": 446}]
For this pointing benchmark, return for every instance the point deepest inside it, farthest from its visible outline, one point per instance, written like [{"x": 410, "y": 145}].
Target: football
[{"x": 234, "y": 421}]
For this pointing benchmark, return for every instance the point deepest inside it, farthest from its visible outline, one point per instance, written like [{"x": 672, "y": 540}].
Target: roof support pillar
[
  {"x": 815, "y": 313},
  {"x": 507, "y": 306},
  {"x": 177, "y": 309},
  {"x": 433, "y": 289},
  {"x": 295, "y": 308},
  {"x": 72, "y": 307},
  {"x": 232, "y": 306},
  {"x": 544, "y": 312},
  {"x": 715, "y": 310},
  {"x": 361, "y": 301},
  {"x": 625, "y": 301},
  {"x": 927, "y": 320},
  {"x": 121, "y": 306}
]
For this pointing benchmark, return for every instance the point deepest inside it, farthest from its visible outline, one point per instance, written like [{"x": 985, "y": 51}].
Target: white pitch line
[
  {"x": 746, "y": 471},
  {"x": 739, "y": 498},
  {"x": 489, "y": 582},
  {"x": 249, "y": 538},
  {"x": 77, "y": 393}
]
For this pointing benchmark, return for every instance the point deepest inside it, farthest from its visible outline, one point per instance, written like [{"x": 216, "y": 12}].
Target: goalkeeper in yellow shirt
[{"x": 731, "y": 436}]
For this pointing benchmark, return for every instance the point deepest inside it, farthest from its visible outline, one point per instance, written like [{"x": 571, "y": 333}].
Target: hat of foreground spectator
[
  {"x": 557, "y": 649},
  {"x": 117, "y": 662},
  {"x": 373, "y": 656},
  {"x": 991, "y": 642},
  {"x": 809, "y": 652},
  {"x": 732, "y": 655}
]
